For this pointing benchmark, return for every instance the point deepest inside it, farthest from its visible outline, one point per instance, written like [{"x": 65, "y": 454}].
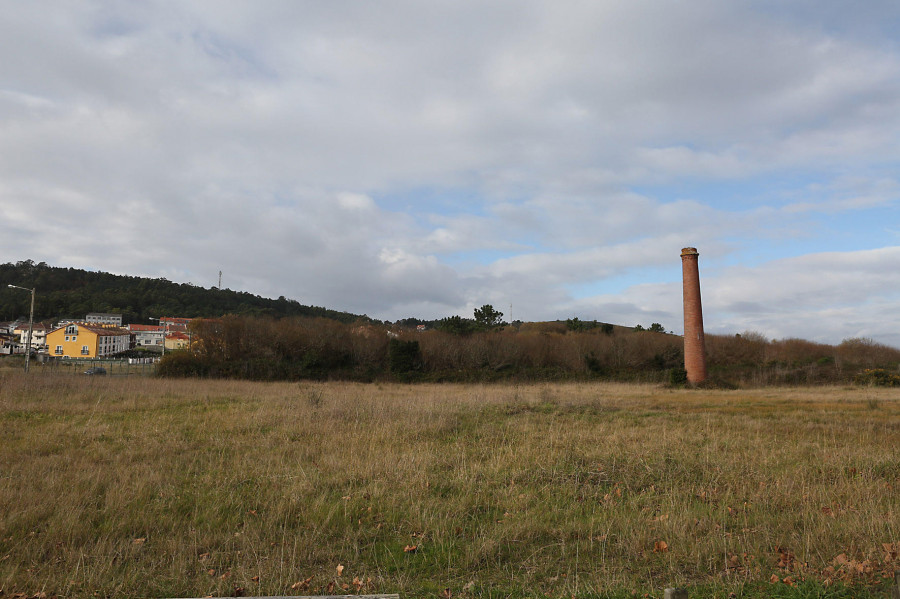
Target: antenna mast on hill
[{"x": 220, "y": 279}]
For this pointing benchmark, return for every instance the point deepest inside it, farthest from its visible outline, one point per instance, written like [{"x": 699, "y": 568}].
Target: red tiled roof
[
  {"x": 144, "y": 327},
  {"x": 95, "y": 328}
]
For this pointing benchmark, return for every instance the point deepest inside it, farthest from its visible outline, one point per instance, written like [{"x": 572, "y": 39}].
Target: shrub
[
  {"x": 404, "y": 358},
  {"x": 877, "y": 377},
  {"x": 678, "y": 377},
  {"x": 180, "y": 363}
]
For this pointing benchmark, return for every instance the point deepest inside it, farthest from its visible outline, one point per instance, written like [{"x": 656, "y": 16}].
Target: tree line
[{"x": 297, "y": 348}]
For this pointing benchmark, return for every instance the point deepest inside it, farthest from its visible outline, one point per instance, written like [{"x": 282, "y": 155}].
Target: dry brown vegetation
[
  {"x": 124, "y": 487},
  {"x": 321, "y": 349}
]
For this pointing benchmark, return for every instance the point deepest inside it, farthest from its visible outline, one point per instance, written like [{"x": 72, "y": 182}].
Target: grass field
[{"x": 145, "y": 487}]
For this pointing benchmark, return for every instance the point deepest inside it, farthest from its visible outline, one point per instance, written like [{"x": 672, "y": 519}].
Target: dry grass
[{"x": 115, "y": 487}]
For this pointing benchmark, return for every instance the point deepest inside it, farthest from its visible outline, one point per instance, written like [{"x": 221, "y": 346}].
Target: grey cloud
[{"x": 251, "y": 138}]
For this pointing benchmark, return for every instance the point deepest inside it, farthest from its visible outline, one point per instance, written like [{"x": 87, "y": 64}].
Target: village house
[
  {"x": 38, "y": 337},
  {"x": 8, "y": 340},
  {"x": 104, "y": 318},
  {"x": 173, "y": 324},
  {"x": 147, "y": 335},
  {"x": 177, "y": 340},
  {"x": 82, "y": 340}
]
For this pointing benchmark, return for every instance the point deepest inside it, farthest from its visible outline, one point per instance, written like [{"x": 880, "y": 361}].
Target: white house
[{"x": 104, "y": 318}]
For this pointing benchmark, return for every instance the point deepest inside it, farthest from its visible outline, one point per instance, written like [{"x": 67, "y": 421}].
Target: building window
[
  {"x": 85, "y": 350},
  {"x": 59, "y": 349}
]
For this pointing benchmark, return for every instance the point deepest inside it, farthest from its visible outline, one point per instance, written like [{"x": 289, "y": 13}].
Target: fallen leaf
[
  {"x": 204, "y": 557},
  {"x": 660, "y": 547},
  {"x": 357, "y": 583},
  {"x": 255, "y": 579},
  {"x": 774, "y": 579},
  {"x": 410, "y": 548},
  {"x": 788, "y": 581},
  {"x": 140, "y": 541},
  {"x": 345, "y": 586},
  {"x": 340, "y": 569},
  {"x": 446, "y": 594},
  {"x": 301, "y": 584},
  {"x": 330, "y": 587}
]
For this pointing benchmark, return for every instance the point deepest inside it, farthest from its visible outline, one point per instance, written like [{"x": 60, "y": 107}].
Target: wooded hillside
[{"x": 73, "y": 293}]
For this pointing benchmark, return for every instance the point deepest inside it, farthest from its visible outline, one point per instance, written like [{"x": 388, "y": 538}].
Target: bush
[
  {"x": 180, "y": 363},
  {"x": 404, "y": 358},
  {"x": 877, "y": 377},
  {"x": 678, "y": 377}
]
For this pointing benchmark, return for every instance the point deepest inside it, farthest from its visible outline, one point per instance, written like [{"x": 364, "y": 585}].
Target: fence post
[{"x": 676, "y": 593}]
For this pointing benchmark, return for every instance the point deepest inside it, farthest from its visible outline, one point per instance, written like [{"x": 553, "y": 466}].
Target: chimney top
[{"x": 689, "y": 252}]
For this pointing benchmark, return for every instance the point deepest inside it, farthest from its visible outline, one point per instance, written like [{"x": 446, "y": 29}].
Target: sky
[{"x": 420, "y": 159}]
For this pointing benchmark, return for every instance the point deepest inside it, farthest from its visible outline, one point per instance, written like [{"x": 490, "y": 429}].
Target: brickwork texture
[{"x": 694, "y": 344}]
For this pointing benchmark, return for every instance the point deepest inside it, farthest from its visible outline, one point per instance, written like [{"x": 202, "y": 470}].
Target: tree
[
  {"x": 657, "y": 328},
  {"x": 573, "y": 324},
  {"x": 456, "y": 325},
  {"x": 487, "y": 318}
]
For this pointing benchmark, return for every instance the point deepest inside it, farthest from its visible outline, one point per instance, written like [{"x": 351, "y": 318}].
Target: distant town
[{"x": 97, "y": 335}]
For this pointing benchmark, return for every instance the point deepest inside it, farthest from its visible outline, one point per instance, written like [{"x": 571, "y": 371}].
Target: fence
[{"x": 113, "y": 367}]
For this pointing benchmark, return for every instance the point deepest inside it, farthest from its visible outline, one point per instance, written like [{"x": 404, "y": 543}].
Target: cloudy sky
[{"x": 409, "y": 158}]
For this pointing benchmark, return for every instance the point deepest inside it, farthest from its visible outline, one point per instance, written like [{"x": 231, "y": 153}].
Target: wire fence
[{"x": 111, "y": 367}]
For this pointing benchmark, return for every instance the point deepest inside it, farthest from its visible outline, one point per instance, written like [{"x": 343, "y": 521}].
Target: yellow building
[
  {"x": 177, "y": 340},
  {"x": 80, "y": 340}
]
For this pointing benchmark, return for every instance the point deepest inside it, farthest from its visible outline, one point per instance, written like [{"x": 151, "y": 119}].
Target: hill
[{"x": 73, "y": 292}]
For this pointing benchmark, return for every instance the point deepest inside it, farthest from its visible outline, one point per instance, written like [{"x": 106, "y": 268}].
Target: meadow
[{"x": 144, "y": 487}]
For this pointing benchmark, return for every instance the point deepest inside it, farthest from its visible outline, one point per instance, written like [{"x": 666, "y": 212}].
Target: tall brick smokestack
[{"x": 694, "y": 344}]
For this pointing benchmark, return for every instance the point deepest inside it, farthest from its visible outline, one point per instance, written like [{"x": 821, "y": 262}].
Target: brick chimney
[{"x": 694, "y": 344}]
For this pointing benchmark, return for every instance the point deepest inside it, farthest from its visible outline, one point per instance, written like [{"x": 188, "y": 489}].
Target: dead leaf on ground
[
  {"x": 301, "y": 584},
  {"x": 446, "y": 594},
  {"x": 660, "y": 547},
  {"x": 410, "y": 549},
  {"x": 340, "y": 569}
]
